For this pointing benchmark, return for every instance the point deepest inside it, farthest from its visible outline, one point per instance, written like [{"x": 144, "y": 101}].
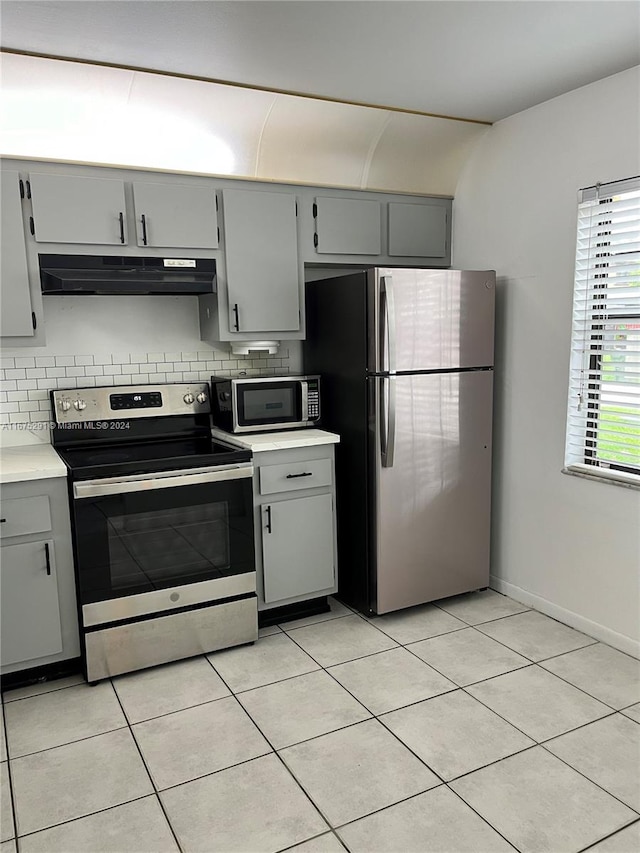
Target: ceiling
[{"x": 475, "y": 59}]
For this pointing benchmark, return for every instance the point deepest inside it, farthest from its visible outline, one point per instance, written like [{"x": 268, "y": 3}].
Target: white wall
[{"x": 567, "y": 545}]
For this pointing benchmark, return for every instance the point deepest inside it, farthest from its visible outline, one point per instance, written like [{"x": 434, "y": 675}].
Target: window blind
[{"x": 603, "y": 424}]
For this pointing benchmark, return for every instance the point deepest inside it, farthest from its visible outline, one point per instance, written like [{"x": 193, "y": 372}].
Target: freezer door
[
  {"x": 431, "y": 459},
  {"x": 430, "y": 319}
]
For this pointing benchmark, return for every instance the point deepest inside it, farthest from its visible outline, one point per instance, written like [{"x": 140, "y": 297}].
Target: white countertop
[
  {"x": 27, "y": 455},
  {"x": 281, "y": 440}
]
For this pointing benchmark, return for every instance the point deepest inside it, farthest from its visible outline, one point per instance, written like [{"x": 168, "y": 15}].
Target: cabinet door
[
  {"x": 297, "y": 547},
  {"x": 346, "y": 226},
  {"x": 175, "y": 216},
  {"x": 30, "y": 609},
  {"x": 15, "y": 318},
  {"x": 417, "y": 230},
  {"x": 67, "y": 209},
  {"x": 263, "y": 274}
]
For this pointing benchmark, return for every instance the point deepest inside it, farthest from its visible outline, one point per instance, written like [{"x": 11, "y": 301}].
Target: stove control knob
[
  {"x": 188, "y": 397},
  {"x": 65, "y": 405},
  {"x": 79, "y": 405},
  {"x": 201, "y": 397}
]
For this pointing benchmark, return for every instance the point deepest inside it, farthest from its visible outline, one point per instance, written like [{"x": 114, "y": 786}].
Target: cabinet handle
[
  {"x": 121, "y": 220},
  {"x": 2, "y": 520},
  {"x": 268, "y": 511},
  {"x": 294, "y": 476},
  {"x": 143, "y": 220},
  {"x": 47, "y": 557},
  {"x": 237, "y": 316}
]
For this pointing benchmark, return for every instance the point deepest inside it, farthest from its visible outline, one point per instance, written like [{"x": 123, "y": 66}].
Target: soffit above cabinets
[{"x": 119, "y": 117}]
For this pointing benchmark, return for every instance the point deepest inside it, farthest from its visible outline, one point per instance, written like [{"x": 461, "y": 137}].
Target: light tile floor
[{"x": 472, "y": 725}]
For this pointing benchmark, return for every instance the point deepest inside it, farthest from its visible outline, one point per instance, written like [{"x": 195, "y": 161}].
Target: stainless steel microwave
[{"x": 262, "y": 405}]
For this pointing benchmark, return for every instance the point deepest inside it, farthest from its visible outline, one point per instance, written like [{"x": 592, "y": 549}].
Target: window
[{"x": 603, "y": 424}]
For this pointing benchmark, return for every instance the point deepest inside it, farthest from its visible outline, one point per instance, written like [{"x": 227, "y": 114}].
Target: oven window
[
  {"x": 269, "y": 403},
  {"x": 142, "y": 541},
  {"x": 158, "y": 546}
]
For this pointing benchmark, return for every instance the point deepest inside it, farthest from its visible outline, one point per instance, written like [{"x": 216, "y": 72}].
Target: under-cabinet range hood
[{"x": 125, "y": 276}]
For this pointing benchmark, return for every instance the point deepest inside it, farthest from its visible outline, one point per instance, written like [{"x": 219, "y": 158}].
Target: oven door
[
  {"x": 154, "y": 542},
  {"x": 269, "y": 404}
]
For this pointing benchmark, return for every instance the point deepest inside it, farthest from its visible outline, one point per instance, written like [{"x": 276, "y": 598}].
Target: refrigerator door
[
  {"x": 431, "y": 459},
  {"x": 430, "y": 319}
]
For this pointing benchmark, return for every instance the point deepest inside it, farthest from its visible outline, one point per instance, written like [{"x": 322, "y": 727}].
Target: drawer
[
  {"x": 24, "y": 515},
  {"x": 295, "y": 475}
]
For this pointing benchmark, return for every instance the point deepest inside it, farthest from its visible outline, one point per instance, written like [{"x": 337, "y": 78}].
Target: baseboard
[{"x": 574, "y": 620}]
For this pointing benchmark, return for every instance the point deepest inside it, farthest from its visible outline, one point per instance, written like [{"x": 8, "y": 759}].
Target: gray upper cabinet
[
  {"x": 68, "y": 209},
  {"x": 263, "y": 269},
  {"x": 175, "y": 216},
  {"x": 31, "y": 625},
  {"x": 346, "y": 226},
  {"x": 417, "y": 230},
  {"x": 15, "y": 317}
]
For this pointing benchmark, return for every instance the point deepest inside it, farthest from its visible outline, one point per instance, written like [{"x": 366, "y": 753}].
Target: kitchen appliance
[
  {"x": 255, "y": 405},
  {"x": 406, "y": 357},
  {"x": 113, "y": 275},
  {"x": 162, "y": 525}
]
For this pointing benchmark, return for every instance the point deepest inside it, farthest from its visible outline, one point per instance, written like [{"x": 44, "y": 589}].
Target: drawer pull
[
  {"x": 2, "y": 520},
  {"x": 295, "y": 476},
  {"x": 46, "y": 554}
]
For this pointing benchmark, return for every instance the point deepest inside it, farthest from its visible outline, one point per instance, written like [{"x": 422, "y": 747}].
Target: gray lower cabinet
[
  {"x": 31, "y": 625},
  {"x": 15, "y": 296},
  {"x": 38, "y": 604},
  {"x": 297, "y": 547},
  {"x": 294, "y": 498}
]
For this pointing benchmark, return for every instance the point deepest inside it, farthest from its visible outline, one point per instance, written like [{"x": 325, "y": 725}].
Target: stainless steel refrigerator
[{"x": 406, "y": 364}]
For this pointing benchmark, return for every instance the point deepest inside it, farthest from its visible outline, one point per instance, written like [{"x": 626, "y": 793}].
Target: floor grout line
[
  {"x": 83, "y": 816},
  {"x": 12, "y": 797},
  {"x": 284, "y": 764},
  {"x": 69, "y": 743},
  {"x": 606, "y": 837},
  {"x": 148, "y": 771},
  {"x": 593, "y": 782}
]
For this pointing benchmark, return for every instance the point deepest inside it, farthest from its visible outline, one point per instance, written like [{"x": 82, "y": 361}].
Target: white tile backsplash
[{"x": 25, "y": 382}]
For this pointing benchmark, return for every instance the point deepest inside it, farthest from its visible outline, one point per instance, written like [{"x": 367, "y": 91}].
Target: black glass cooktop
[{"x": 90, "y": 462}]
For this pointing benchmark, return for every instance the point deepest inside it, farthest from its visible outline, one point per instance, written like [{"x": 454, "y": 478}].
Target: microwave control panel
[{"x": 313, "y": 399}]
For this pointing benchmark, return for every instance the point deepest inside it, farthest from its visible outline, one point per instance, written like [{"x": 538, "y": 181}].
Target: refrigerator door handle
[
  {"x": 387, "y": 421},
  {"x": 387, "y": 324}
]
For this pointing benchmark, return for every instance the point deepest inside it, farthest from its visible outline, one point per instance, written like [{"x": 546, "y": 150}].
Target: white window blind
[{"x": 603, "y": 424}]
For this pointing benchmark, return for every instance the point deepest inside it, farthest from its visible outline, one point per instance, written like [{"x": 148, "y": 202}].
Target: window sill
[{"x": 604, "y": 475}]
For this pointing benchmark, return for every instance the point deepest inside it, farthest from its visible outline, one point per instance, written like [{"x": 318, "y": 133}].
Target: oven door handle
[{"x": 161, "y": 480}]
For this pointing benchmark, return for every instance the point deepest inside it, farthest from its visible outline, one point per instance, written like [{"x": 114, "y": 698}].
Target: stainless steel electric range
[{"x": 162, "y": 525}]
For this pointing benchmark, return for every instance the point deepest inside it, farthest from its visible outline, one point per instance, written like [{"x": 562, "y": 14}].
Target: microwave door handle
[{"x": 304, "y": 412}]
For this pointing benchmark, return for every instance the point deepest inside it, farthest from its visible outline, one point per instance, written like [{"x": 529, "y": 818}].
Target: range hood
[{"x": 111, "y": 275}]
